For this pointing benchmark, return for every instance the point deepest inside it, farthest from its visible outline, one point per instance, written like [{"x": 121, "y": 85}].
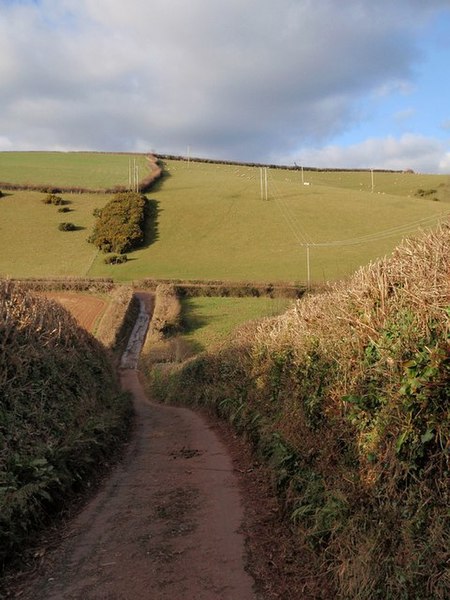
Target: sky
[{"x": 324, "y": 83}]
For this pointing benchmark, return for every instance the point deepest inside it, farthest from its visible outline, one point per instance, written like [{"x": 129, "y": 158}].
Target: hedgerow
[
  {"x": 61, "y": 412},
  {"x": 119, "y": 225}
]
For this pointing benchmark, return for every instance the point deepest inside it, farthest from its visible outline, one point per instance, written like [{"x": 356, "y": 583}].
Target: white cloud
[
  {"x": 444, "y": 163},
  {"x": 243, "y": 80},
  {"x": 420, "y": 153}
]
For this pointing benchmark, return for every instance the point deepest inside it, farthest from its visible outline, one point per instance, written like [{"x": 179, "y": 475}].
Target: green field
[
  {"x": 94, "y": 171},
  {"x": 213, "y": 224},
  {"x": 31, "y": 244},
  {"x": 207, "y": 321}
]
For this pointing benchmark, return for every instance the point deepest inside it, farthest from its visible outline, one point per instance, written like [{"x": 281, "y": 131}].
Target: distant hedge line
[
  {"x": 194, "y": 288},
  {"x": 74, "y": 284},
  {"x": 271, "y": 166},
  {"x": 183, "y": 288},
  {"x": 120, "y": 223}
]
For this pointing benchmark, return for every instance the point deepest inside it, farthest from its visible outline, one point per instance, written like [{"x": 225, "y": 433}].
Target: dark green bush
[
  {"x": 64, "y": 209},
  {"x": 67, "y": 227},
  {"x": 119, "y": 226},
  {"x": 422, "y": 193},
  {"x": 54, "y": 199}
]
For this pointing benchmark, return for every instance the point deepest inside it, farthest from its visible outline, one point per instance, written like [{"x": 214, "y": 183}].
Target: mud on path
[{"x": 165, "y": 523}]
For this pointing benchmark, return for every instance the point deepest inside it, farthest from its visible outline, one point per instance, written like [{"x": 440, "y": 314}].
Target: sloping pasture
[
  {"x": 212, "y": 223},
  {"x": 88, "y": 170}
]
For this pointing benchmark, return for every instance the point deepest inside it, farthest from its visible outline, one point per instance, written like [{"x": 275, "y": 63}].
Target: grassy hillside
[
  {"x": 74, "y": 169},
  {"x": 346, "y": 397},
  {"x": 61, "y": 412},
  {"x": 212, "y": 224}
]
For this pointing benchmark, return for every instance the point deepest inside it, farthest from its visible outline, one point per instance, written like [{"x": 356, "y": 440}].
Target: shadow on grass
[
  {"x": 70, "y": 227},
  {"x": 191, "y": 321},
  {"x": 151, "y": 234},
  {"x": 157, "y": 185}
]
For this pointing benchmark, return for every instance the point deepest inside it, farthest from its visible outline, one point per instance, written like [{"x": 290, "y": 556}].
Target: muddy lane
[{"x": 164, "y": 525}]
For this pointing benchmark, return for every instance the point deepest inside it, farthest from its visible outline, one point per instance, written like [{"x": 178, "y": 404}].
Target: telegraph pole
[
  {"x": 308, "y": 267},
  {"x": 263, "y": 183}
]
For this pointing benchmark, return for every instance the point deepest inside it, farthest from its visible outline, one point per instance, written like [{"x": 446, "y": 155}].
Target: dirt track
[{"x": 164, "y": 525}]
